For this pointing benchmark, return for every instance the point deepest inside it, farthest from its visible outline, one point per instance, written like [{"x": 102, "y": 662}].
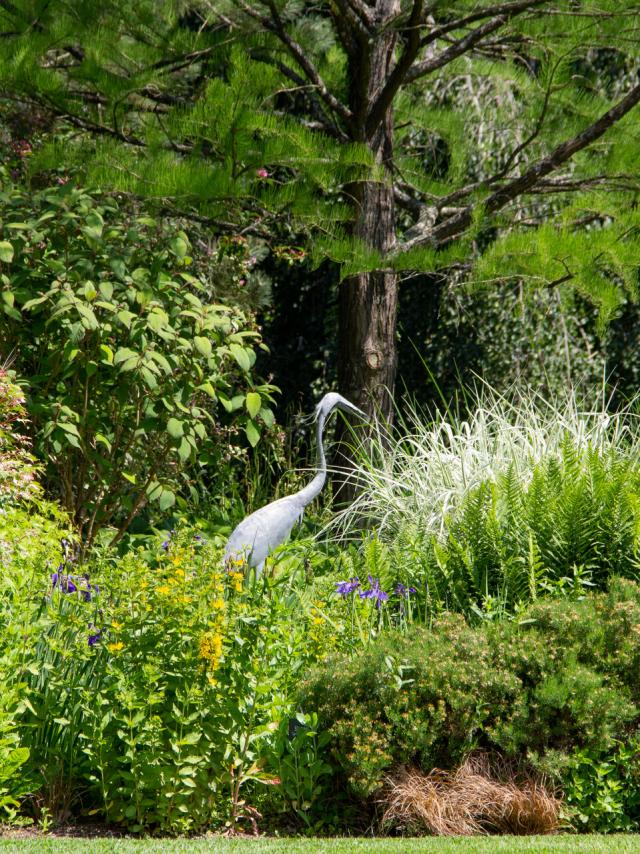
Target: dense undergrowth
[{"x": 159, "y": 691}]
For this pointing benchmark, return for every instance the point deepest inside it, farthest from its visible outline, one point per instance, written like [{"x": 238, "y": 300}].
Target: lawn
[{"x": 565, "y": 843}]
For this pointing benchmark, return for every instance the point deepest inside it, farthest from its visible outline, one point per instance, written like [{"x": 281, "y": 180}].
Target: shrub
[
  {"x": 129, "y": 365},
  {"x": 564, "y": 678},
  {"x": 17, "y": 466},
  {"x": 155, "y": 692}
]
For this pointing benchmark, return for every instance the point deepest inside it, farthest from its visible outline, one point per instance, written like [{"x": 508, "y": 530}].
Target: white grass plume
[{"x": 426, "y": 468}]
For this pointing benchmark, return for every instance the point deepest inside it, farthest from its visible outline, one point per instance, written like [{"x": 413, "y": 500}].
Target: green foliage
[
  {"x": 603, "y": 790},
  {"x": 299, "y": 763},
  {"x": 12, "y": 757},
  {"x": 129, "y": 365},
  {"x": 572, "y": 524},
  {"x": 17, "y": 465},
  {"x": 154, "y": 692},
  {"x": 561, "y": 679}
]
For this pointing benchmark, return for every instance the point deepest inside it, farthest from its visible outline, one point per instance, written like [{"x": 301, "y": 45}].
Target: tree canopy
[{"x": 485, "y": 141}]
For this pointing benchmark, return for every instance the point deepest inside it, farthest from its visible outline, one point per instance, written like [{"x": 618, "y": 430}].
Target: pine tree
[{"x": 488, "y": 140}]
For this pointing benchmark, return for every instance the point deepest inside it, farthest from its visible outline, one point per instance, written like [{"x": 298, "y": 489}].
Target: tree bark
[{"x": 368, "y": 303}]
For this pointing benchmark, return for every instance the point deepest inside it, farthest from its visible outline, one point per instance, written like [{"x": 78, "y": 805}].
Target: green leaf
[
  {"x": 253, "y": 403},
  {"x": 241, "y": 356},
  {"x": 99, "y": 437},
  {"x": 119, "y": 267},
  {"x": 148, "y": 377},
  {"x": 107, "y": 352},
  {"x": 6, "y": 251},
  {"x": 122, "y": 354},
  {"x": 68, "y": 427},
  {"x": 184, "y": 451},
  {"x": 125, "y": 317},
  {"x": 179, "y": 246},
  {"x": 106, "y": 289},
  {"x": 253, "y": 433},
  {"x": 203, "y": 345},
  {"x": 208, "y": 388},
  {"x": 167, "y": 499},
  {"x": 175, "y": 428},
  {"x": 268, "y": 417}
]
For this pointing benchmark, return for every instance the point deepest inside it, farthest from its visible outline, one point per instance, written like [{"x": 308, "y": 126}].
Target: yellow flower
[
  {"x": 180, "y": 573},
  {"x": 164, "y": 589},
  {"x": 218, "y": 605},
  {"x": 116, "y": 625},
  {"x": 318, "y": 621},
  {"x": 115, "y": 647},
  {"x": 210, "y": 648},
  {"x": 236, "y": 579}
]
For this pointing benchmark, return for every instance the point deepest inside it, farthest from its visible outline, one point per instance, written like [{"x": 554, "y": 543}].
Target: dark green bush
[{"x": 564, "y": 678}]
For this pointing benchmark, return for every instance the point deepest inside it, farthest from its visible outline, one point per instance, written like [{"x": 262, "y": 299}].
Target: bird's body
[{"x": 257, "y": 535}]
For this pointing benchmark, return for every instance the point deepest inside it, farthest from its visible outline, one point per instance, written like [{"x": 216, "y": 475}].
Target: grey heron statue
[{"x": 257, "y": 535}]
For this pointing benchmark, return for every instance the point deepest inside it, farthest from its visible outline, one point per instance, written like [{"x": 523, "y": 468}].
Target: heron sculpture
[{"x": 257, "y": 535}]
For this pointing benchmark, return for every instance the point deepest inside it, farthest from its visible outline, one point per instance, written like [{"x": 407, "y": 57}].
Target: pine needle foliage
[{"x": 189, "y": 103}]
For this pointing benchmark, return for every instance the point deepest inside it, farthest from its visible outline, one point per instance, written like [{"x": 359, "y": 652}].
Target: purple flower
[
  {"x": 344, "y": 588},
  {"x": 165, "y": 545},
  {"x": 95, "y": 637},
  {"x": 374, "y": 592},
  {"x": 401, "y": 590},
  {"x": 73, "y": 584}
]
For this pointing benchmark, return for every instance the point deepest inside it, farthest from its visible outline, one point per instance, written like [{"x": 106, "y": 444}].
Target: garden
[{"x": 213, "y": 217}]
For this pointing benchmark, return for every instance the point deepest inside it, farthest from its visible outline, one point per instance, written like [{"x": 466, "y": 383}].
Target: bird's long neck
[{"x": 313, "y": 488}]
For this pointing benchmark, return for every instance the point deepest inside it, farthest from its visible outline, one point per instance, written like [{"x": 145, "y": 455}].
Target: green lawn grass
[{"x": 459, "y": 845}]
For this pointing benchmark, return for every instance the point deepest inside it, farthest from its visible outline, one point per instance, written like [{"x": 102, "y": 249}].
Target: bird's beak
[{"x": 349, "y": 407}]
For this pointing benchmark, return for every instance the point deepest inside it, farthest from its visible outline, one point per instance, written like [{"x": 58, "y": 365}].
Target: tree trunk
[{"x": 368, "y": 303}]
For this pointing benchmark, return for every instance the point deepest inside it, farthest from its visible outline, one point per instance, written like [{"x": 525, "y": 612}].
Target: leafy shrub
[
  {"x": 12, "y": 756},
  {"x": 562, "y": 679},
  {"x": 154, "y": 692},
  {"x": 603, "y": 790},
  {"x": 129, "y": 365},
  {"x": 17, "y": 465},
  {"x": 573, "y": 524}
]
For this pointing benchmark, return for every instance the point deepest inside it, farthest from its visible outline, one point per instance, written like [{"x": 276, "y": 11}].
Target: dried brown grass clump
[{"x": 485, "y": 795}]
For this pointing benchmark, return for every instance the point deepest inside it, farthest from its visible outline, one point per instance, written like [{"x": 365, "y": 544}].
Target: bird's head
[{"x": 332, "y": 401}]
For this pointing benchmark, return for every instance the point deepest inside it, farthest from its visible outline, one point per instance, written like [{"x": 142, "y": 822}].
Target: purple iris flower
[
  {"x": 374, "y": 592},
  {"x": 64, "y": 583},
  {"x": 71, "y": 584},
  {"x": 401, "y": 590},
  {"x": 94, "y": 638},
  {"x": 344, "y": 588}
]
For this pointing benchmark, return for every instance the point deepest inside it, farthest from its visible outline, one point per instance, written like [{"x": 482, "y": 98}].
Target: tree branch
[
  {"x": 396, "y": 78},
  {"x": 505, "y": 13},
  {"x": 530, "y": 179},
  {"x": 457, "y": 49},
  {"x": 276, "y": 26},
  {"x": 508, "y": 9}
]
